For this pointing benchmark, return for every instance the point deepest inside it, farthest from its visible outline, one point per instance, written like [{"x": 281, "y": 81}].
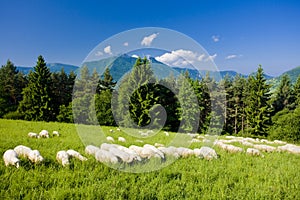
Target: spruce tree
[
  {"x": 37, "y": 103},
  {"x": 258, "y": 110}
]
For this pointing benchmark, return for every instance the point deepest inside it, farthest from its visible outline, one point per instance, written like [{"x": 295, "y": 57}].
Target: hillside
[
  {"x": 293, "y": 74},
  {"x": 54, "y": 67}
]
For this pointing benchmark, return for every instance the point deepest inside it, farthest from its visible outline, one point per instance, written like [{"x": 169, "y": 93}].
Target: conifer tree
[{"x": 37, "y": 103}]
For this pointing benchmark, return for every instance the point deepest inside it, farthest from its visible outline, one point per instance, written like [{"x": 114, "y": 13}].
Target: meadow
[{"x": 231, "y": 176}]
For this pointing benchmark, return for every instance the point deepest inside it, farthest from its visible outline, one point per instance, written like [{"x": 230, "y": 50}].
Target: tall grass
[{"x": 232, "y": 176}]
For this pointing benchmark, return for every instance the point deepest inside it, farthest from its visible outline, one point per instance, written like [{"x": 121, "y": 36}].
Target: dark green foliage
[
  {"x": 11, "y": 84},
  {"x": 258, "y": 109},
  {"x": 65, "y": 114},
  {"x": 286, "y": 126},
  {"x": 38, "y": 102}
]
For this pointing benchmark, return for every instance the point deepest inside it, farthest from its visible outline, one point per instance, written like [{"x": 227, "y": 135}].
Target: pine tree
[
  {"x": 284, "y": 96},
  {"x": 296, "y": 89},
  {"x": 258, "y": 110},
  {"x": 11, "y": 84},
  {"x": 37, "y": 103}
]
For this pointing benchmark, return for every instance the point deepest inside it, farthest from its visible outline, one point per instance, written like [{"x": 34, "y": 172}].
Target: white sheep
[
  {"x": 158, "y": 145},
  {"x": 33, "y": 135},
  {"x": 10, "y": 157},
  {"x": 231, "y": 148},
  {"x": 110, "y": 139},
  {"x": 44, "y": 134},
  {"x": 35, "y": 156},
  {"x": 111, "y": 131},
  {"x": 166, "y": 133},
  {"x": 253, "y": 152},
  {"x": 169, "y": 151},
  {"x": 246, "y": 143},
  {"x": 184, "y": 152},
  {"x": 91, "y": 150},
  {"x": 105, "y": 157},
  {"x": 55, "y": 133},
  {"x": 136, "y": 149},
  {"x": 155, "y": 150},
  {"x": 22, "y": 151},
  {"x": 125, "y": 157},
  {"x": 121, "y": 139},
  {"x": 206, "y": 153},
  {"x": 135, "y": 156},
  {"x": 63, "y": 158},
  {"x": 194, "y": 140},
  {"x": 118, "y": 129},
  {"x": 74, "y": 154},
  {"x": 291, "y": 148},
  {"x": 279, "y": 142},
  {"x": 265, "y": 148}
]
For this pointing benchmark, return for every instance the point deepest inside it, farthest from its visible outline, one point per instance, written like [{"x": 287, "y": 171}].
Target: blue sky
[{"x": 242, "y": 34}]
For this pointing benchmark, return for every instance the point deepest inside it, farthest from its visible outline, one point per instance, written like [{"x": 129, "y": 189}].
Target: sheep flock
[{"x": 111, "y": 153}]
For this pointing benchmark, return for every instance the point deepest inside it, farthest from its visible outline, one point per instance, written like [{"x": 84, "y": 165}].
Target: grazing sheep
[
  {"x": 111, "y": 131},
  {"x": 194, "y": 140},
  {"x": 155, "y": 150},
  {"x": 206, "y": 153},
  {"x": 290, "y": 148},
  {"x": 118, "y": 129},
  {"x": 22, "y": 150},
  {"x": 33, "y": 135},
  {"x": 63, "y": 158},
  {"x": 144, "y": 134},
  {"x": 106, "y": 157},
  {"x": 246, "y": 143},
  {"x": 74, "y": 154},
  {"x": 169, "y": 151},
  {"x": 125, "y": 157},
  {"x": 184, "y": 152},
  {"x": 253, "y": 152},
  {"x": 10, "y": 157},
  {"x": 110, "y": 139},
  {"x": 230, "y": 148},
  {"x": 166, "y": 133},
  {"x": 35, "y": 156},
  {"x": 264, "y": 148},
  {"x": 121, "y": 139},
  {"x": 55, "y": 133},
  {"x": 44, "y": 134},
  {"x": 131, "y": 152},
  {"x": 193, "y": 135},
  {"x": 91, "y": 150},
  {"x": 279, "y": 142}
]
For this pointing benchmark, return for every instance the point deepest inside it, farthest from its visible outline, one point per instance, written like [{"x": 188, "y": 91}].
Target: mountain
[
  {"x": 54, "y": 67},
  {"x": 293, "y": 74}
]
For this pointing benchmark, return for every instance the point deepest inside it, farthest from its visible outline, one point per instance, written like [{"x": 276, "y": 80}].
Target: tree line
[{"x": 239, "y": 105}]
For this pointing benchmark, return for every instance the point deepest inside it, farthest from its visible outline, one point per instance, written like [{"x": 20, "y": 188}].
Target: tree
[
  {"x": 258, "y": 110},
  {"x": 12, "y": 83},
  {"x": 37, "y": 103},
  {"x": 284, "y": 96},
  {"x": 296, "y": 89}
]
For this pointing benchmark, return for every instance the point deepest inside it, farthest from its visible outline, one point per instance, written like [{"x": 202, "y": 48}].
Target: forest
[{"x": 242, "y": 106}]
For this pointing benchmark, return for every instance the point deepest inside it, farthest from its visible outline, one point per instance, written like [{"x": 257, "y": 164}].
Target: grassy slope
[{"x": 231, "y": 177}]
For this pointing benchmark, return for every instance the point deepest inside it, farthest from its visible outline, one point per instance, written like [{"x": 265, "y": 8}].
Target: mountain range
[{"x": 122, "y": 64}]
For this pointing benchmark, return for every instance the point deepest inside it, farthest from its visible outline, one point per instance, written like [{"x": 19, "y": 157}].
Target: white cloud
[
  {"x": 180, "y": 58},
  {"x": 98, "y": 53},
  {"x": 126, "y": 44},
  {"x": 107, "y": 50},
  {"x": 215, "y": 38},
  {"x": 211, "y": 57},
  {"x": 134, "y": 56},
  {"x": 149, "y": 39},
  {"x": 231, "y": 57}
]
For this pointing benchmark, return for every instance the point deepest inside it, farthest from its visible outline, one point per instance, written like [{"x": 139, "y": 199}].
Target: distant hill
[{"x": 54, "y": 67}]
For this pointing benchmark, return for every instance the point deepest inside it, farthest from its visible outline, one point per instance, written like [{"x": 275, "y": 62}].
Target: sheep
[
  {"x": 10, "y": 157},
  {"x": 121, "y": 139},
  {"x": 91, "y": 150},
  {"x": 184, "y": 152},
  {"x": 246, "y": 143},
  {"x": 111, "y": 131},
  {"x": 136, "y": 149},
  {"x": 144, "y": 134},
  {"x": 55, "y": 133},
  {"x": 35, "y": 156},
  {"x": 192, "y": 135},
  {"x": 63, "y": 158},
  {"x": 264, "y": 148},
  {"x": 253, "y": 152},
  {"x": 230, "y": 148},
  {"x": 106, "y": 157},
  {"x": 166, "y": 133},
  {"x": 118, "y": 129},
  {"x": 106, "y": 146},
  {"x": 290, "y": 148},
  {"x": 131, "y": 152},
  {"x": 279, "y": 142},
  {"x": 155, "y": 150},
  {"x": 22, "y": 150},
  {"x": 44, "y": 134},
  {"x": 125, "y": 157},
  {"x": 194, "y": 140},
  {"x": 169, "y": 151},
  {"x": 206, "y": 153},
  {"x": 74, "y": 154},
  {"x": 33, "y": 135},
  {"x": 110, "y": 139}
]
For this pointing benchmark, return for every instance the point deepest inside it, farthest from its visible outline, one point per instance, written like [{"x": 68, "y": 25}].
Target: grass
[{"x": 232, "y": 176}]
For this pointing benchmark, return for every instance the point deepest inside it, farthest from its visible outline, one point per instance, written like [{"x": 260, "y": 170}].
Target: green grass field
[{"x": 232, "y": 176}]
